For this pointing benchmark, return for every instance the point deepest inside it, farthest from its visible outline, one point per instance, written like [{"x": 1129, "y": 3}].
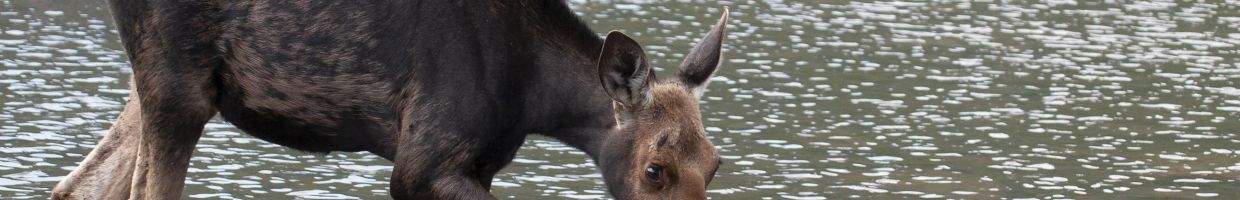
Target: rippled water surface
[{"x": 835, "y": 99}]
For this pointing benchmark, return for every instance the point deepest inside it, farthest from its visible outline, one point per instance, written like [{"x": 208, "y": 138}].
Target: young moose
[{"x": 447, "y": 90}]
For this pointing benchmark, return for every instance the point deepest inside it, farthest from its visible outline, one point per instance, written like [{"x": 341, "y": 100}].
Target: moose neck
[{"x": 571, "y": 100}]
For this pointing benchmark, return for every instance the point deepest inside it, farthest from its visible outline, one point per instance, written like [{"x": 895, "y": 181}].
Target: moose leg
[
  {"x": 439, "y": 158},
  {"x": 436, "y": 169},
  {"x": 171, "y": 47},
  {"x": 449, "y": 170},
  {"x": 106, "y": 171},
  {"x": 496, "y": 155},
  {"x": 176, "y": 102}
]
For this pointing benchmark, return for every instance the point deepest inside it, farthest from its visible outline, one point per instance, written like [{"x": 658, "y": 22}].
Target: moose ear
[
  {"x": 623, "y": 69},
  {"x": 701, "y": 63}
]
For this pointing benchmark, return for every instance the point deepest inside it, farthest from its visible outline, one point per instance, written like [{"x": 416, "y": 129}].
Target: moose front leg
[
  {"x": 450, "y": 156},
  {"x": 176, "y": 103},
  {"x": 173, "y": 52},
  {"x": 436, "y": 170}
]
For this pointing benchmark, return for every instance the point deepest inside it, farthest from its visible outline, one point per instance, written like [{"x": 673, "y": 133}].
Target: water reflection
[{"x": 1061, "y": 99}]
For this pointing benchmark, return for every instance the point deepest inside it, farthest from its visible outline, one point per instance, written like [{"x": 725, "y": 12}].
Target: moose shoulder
[{"x": 447, "y": 90}]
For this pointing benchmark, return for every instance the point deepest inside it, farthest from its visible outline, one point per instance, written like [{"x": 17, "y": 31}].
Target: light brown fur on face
[{"x": 669, "y": 133}]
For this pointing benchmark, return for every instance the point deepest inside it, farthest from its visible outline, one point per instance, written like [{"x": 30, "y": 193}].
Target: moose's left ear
[
  {"x": 624, "y": 71},
  {"x": 701, "y": 63}
]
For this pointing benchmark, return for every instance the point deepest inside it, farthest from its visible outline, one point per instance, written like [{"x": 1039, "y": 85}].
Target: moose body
[{"x": 447, "y": 90}]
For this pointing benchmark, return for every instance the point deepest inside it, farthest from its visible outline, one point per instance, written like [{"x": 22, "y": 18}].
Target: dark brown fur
[{"x": 447, "y": 90}]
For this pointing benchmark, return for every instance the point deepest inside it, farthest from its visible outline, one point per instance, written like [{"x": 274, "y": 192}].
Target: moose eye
[{"x": 654, "y": 173}]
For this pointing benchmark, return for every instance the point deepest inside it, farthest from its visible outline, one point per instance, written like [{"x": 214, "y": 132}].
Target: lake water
[{"x": 816, "y": 100}]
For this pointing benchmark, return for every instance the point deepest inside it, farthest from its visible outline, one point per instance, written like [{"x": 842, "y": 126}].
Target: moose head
[{"x": 659, "y": 149}]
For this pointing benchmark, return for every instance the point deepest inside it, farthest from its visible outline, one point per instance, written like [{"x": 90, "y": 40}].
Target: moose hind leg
[{"x": 105, "y": 172}]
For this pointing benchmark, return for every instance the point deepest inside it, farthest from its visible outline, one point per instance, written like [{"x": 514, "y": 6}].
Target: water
[{"x": 836, "y": 99}]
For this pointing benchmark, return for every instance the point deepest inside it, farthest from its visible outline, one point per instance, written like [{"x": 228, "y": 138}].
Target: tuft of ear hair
[
  {"x": 705, "y": 58},
  {"x": 624, "y": 71}
]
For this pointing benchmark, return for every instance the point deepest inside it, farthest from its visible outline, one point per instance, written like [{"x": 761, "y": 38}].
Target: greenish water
[{"x": 816, "y": 100}]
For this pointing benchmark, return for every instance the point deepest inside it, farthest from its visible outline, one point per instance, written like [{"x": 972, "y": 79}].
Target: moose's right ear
[{"x": 623, "y": 70}]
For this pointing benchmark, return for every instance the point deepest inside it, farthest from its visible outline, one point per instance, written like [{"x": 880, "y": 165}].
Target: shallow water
[{"x": 980, "y": 100}]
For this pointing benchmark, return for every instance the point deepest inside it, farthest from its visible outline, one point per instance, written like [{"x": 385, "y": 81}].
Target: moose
[{"x": 446, "y": 90}]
